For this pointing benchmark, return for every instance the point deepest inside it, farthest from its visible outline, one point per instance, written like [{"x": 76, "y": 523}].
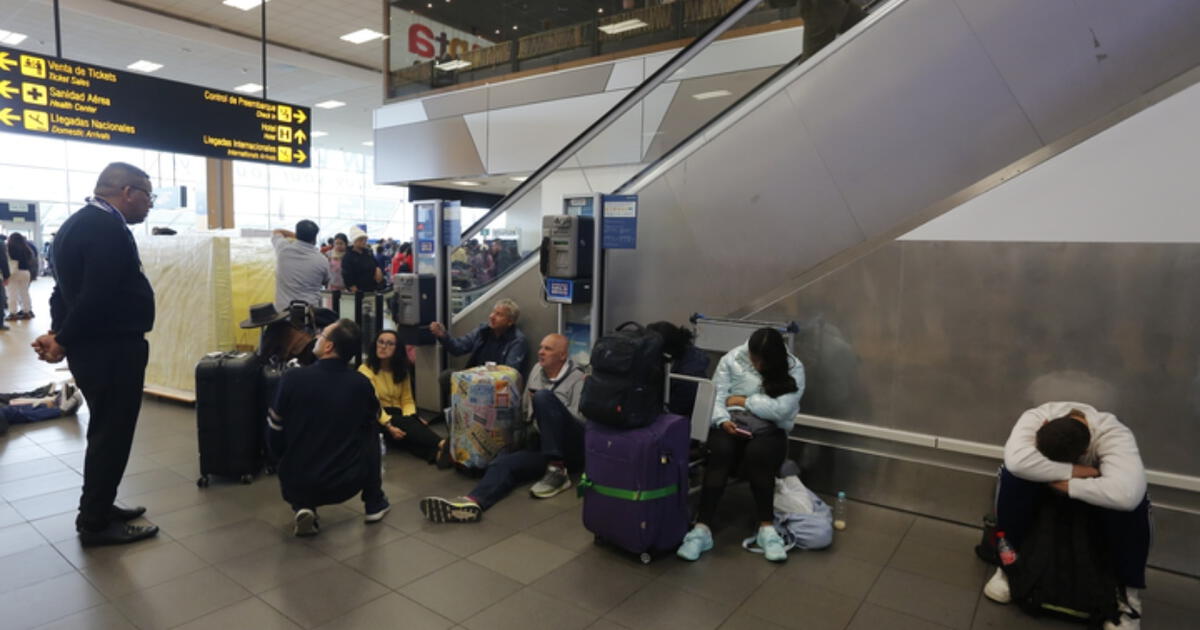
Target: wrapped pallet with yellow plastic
[
  {"x": 485, "y": 415},
  {"x": 251, "y": 281}
]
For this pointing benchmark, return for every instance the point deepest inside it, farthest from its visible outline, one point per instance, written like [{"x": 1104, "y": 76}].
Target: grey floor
[{"x": 226, "y": 560}]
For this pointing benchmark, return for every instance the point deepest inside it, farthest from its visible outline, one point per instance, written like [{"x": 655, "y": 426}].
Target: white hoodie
[{"x": 1113, "y": 450}]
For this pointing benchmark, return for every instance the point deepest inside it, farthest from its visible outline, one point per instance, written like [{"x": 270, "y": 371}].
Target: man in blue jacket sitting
[{"x": 498, "y": 341}]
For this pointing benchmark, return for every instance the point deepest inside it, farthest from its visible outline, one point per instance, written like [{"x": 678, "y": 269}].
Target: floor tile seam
[
  {"x": 970, "y": 624},
  {"x": 595, "y": 617},
  {"x": 96, "y": 582},
  {"x": 974, "y": 607},
  {"x": 205, "y": 614},
  {"x": 106, "y": 602},
  {"x": 334, "y": 618},
  {"x": 181, "y": 576}
]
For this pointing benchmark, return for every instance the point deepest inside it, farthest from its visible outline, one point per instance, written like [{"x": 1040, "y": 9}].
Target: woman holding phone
[{"x": 759, "y": 385}]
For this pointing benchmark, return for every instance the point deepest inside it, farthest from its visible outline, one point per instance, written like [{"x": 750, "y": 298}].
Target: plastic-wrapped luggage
[
  {"x": 485, "y": 415},
  {"x": 635, "y": 485}
]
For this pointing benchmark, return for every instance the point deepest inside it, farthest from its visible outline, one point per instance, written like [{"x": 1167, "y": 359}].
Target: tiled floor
[{"x": 225, "y": 559}]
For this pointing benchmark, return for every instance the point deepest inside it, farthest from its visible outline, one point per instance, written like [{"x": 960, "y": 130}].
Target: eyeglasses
[
  {"x": 386, "y": 343},
  {"x": 149, "y": 194}
]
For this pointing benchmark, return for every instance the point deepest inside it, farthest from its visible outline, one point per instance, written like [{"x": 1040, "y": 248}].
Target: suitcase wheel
[
  {"x": 202, "y": 481},
  {"x": 246, "y": 479},
  {"x": 645, "y": 558}
]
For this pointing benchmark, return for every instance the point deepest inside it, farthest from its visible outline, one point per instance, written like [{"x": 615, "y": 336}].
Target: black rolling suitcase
[{"x": 230, "y": 416}]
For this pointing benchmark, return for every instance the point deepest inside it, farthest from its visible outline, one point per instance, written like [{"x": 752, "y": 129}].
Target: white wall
[{"x": 1136, "y": 182}]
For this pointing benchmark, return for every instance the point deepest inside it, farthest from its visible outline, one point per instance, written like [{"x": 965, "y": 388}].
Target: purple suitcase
[{"x": 635, "y": 485}]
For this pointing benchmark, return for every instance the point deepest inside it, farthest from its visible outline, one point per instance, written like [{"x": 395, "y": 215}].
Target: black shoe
[
  {"x": 117, "y": 534},
  {"x": 443, "y": 459},
  {"x": 125, "y": 514}
]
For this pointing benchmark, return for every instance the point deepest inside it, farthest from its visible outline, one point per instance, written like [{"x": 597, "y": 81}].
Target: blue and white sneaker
[
  {"x": 695, "y": 543},
  {"x": 772, "y": 544}
]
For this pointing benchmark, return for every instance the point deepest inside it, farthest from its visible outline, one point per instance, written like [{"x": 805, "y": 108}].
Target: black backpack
[
  {"x": 1064, "y": 568},
  {"x": 625, "y": 388}
]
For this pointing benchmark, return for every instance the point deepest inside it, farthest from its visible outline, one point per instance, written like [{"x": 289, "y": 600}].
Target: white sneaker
[
  {"x": 306, "y": 523},
  {"x": 996, "y": 588},
  {"x": 457, "y": 510},
  {"x": 1131, "y": 612}
]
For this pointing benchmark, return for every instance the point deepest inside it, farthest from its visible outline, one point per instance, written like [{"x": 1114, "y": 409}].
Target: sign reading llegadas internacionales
[{"x": 49, "y": 96}]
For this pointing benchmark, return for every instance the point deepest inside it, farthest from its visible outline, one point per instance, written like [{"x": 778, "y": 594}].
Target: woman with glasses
[{"x": 388, "y": 370}]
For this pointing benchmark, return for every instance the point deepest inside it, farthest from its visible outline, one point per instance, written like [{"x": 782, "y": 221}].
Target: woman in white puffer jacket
[{"x": 759, "y": 385}]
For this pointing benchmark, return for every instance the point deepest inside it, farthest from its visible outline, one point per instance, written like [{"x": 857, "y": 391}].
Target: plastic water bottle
[
  {"x": 1008, "y": 555},
  {"x": 839, "y": 512}
]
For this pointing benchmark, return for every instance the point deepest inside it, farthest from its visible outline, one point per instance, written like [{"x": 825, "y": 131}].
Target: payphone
[
  {"x": 567, "y": 243},
  {"x": 416, "y": 298}
]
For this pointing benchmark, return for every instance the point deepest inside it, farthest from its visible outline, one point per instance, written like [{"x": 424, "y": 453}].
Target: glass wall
[{"x": 336, "y": 193}]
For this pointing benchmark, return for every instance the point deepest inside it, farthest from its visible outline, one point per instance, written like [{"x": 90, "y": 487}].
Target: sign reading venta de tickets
[{"x": 48, "y": 96}]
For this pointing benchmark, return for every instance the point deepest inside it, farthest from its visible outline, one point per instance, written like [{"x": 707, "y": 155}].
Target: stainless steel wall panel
[
  {"x": 428, "y": 150},
  {"x": 589, "y": 80},
  {"x": 719, "y": 234},
  {"x": 456, "y": 103},
  {"x": 911, "y": 112}
]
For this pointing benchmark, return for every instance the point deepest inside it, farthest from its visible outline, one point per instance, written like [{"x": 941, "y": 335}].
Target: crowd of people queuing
[{"x": 327, "y": 418}]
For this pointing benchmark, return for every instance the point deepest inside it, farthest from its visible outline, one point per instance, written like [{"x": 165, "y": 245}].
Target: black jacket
[
  {"x": 101, "y": 291},
  {"x": 358, "y": 270},
  {"x": 327, "y": 416}
]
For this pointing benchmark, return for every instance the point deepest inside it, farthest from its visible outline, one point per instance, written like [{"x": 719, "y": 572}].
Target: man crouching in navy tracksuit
[
  {"x": 551, "y": 399},
  {"x": 324, "y": 431},
  {"x": 1090, "y": 456}
]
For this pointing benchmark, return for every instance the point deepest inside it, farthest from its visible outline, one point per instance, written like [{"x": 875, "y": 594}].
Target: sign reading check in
[{"x": 49, "y": 96}]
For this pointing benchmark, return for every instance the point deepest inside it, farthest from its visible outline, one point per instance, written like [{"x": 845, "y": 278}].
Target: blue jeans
[
  {"x": 20, "y": 414},
  {"x": 562, "y": 439},
  {"x": 1127, "y": 533}
]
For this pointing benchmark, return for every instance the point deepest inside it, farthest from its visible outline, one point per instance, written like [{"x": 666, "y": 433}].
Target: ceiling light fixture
[
  {"x": 704, "y": 96},
  {"x": 465, "y": 183},
  {"x": 244, "y": 5},
  {"x": 318, "y": 134},
  {"x": 519, "y": 179},
  {"x": 368, "y": 143},
  {"x": 361, "y": 36},
  {"x": 11, "y": 38},
  {"x": 457, "y": 64},
  {"x": 621, "y": 27},
  {"x": 248, "y": 88},
  {"x": 141, "y": 65},
  {"x": 330, "y": 104}
]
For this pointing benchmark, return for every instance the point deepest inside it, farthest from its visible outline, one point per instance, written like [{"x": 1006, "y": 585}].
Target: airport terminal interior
[{"x": 946, "y": 212}]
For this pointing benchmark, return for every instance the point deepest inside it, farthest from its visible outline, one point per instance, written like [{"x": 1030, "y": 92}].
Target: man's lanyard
[
  {"x": 107, "y": 207},
  {"x": 570, "y": 367}
]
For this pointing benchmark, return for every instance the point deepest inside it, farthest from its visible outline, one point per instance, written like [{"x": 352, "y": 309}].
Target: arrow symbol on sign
[
  {"x": 300, "y": 136},
  {"x": 7, "y": 117},
  {"x": 6, "y": 64},
  {"x": 299, "y": 155},
  {"x": 7, "y": 90},
  {"x": 299, "y": 116}
]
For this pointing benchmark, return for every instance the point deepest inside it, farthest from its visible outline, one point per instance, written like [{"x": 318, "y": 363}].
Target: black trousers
[
  {"x": 110, "y": 373},
  {"x": 759, "y": 458},
  {"x": 419, "y": 439}
]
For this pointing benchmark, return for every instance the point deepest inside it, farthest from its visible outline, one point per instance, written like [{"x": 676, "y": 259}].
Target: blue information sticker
[
  {"x": 619, "y": 222},
  {"x": 559, "y": 291}
]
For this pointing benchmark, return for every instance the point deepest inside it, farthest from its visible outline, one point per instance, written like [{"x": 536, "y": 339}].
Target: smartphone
[{"x": 741, "y": 432}]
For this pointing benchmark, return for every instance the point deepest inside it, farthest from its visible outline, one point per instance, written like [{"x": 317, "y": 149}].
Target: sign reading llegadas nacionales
[{"x": 48, "y": 96}]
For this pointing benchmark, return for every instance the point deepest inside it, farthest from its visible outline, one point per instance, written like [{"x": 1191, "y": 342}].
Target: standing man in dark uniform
[{"x": 101, "y": 309}]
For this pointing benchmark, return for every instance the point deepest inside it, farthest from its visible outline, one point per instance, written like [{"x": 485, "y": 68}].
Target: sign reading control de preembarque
[{"x": 48, "y": 96}]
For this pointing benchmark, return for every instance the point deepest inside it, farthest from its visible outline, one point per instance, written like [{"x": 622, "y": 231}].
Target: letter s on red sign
[{"x": 420, "y": 40}]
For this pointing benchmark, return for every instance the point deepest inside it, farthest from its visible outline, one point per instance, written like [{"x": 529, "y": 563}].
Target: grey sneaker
[
  {"x": 553, "y": 482},
  {"x": 457, "y": 510},
  {"x": 306, "y": 523}
]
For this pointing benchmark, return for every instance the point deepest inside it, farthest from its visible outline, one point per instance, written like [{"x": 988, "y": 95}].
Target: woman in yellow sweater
[{"x": 389, "y": 372}]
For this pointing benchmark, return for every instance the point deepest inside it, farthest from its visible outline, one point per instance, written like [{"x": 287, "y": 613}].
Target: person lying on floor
[
  {"x": 324, "y": 430},
  {"x": 44, "y": 403},
  {"x": 1091, "y": 457},
  {"x": 551, "y": 400},
  {"x": 759, "y": 385},
  {"x": 390, "y": 373}
]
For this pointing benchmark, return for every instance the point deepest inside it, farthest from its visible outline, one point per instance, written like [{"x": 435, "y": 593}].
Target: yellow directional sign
[
  {"x": 33, "y": 66},
  {"x": 6, "y": 63},
  {"x": 37, "y": 121},
  {"x": 285, "y": 154},
  {"x": 300, "y": 136},
  {"x": 284, "y": 134},
  {"x": 300, "y": 156},
  {"x": 33, "y": 93},
  {"x": 8, "y": 117},
  {"x": 300, "y": 117},
  {"x": 7, "y": 90},
  {"x": 284, "y": 113}
]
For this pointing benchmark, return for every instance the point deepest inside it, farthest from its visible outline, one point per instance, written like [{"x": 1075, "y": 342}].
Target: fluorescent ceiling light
[
  {"x": 318, "y": 134},
  {"x": 361, "y": 36},
  {"x": 141, "y": 65},
  {"x": 465, "y": 183},
  {"x": 331, "y": 104},
  {"x": 368, "y": 143},
  {"x": 248, "y": 88},
  {"x": 621, "y": 27},
  {"x": 704, "y": 96},
  {"x": 519, "y": 179},
  {"x": 457, "y": 64},
  {"x": 244, "y": 5},
  {"x": 11, "y": 38}
]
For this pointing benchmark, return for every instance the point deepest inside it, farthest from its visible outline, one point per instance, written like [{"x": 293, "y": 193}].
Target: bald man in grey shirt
[{"x": 300, "y": 269}]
